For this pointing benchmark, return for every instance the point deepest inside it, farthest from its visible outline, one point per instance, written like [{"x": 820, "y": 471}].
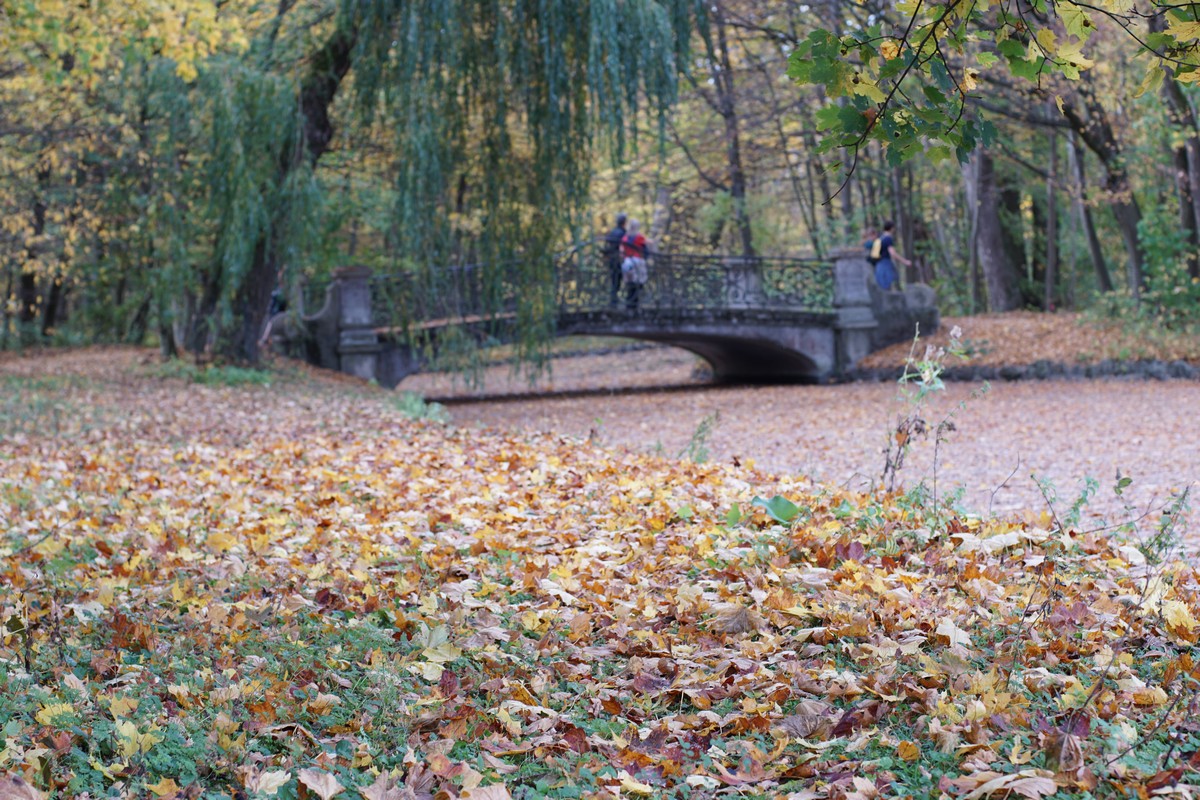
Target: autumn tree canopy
[{"x": 167, "y": 164}]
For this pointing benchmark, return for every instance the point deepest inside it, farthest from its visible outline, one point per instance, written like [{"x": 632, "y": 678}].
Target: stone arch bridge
[{"x": 752, "y": 319}]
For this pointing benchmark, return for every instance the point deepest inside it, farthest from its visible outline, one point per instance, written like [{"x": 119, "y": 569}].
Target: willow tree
[{"x": 508, "y": 98}]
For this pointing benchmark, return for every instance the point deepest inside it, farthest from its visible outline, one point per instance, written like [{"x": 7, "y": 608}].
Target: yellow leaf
[
  {"x": 1072, "y": 52},
  {"x": 1155, "y": 696},
  {"x": 164, "y": 787},
  {"x": 1184, "y": 31},
  {"x": 1151, "y": 80},
  {"x": 132, "y": 742},
  {"x": 889, "y": 49},
  {"x": 54, "y": 711},
  {"x": 633, "y": 786},
  {"x": 1178, "y": 615},
  {"x": 868, "y": 90},
  {"x": 1048, "y": 40},
  {"x": 909, "y": 751},
  {"x": 123, "y": 706}
]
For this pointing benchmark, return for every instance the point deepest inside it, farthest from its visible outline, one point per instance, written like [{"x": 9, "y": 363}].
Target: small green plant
[
  {"x": 413, "y": 406},
  {"x": 921, "y": 378},
  {"x": 1164, "y": 542},
  {"x": 212, "y": 374},
  {"x": 696, "y": 450}
]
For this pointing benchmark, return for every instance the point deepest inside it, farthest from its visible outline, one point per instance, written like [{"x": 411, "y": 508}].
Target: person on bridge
[
  {"x": 634, "y": 248},
  {"x": 612, "y": 254},
  {"x": 883, "y": 251}
]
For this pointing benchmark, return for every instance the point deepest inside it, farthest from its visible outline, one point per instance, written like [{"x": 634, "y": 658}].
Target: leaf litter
[{"x": 295, "y": 591}]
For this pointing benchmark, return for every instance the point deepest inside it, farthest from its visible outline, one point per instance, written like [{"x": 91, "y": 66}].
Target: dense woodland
[{"x": 164, "y": 166}]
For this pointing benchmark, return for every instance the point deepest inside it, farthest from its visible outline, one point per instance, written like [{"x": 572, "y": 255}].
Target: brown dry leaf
[
  {"x": 734, "y": 618},
  {"x": 493, "y": 791},
  {"x": 384, "y": 788},
  {"x": 1033, "y": 784},
  {"x": 14, "y": 787},
  {"x": 1065, "y": 751},
  {"x": 320, "y": 783},
  {"x": 807, "y": 726}
]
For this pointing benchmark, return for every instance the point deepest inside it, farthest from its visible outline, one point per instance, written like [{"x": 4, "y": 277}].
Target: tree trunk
[
  {"x": 721, "y": 70},
  {"x": 318, "y": 88},
  {"x": 970, "y": 173},
  {"x": 660, "y": 225},
  {"x": 28, "y": 300},
  {"x": 994, "y": 257},
  {"x": 1051, "y": 224},
  {"x": 52, "y": 310},
  {"x": 1085, "y": 215},
  {"x": 1097, "y": 133},
  {"x": 1187, "y": 170}
]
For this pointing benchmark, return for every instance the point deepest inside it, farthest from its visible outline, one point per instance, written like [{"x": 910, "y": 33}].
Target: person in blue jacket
[{"x": 884, "y": 255}]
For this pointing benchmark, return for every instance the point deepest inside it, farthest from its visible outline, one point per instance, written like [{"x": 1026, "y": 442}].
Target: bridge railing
[
  {"x": 676, "y": 282},
  {"x": 695, "y": 282}
]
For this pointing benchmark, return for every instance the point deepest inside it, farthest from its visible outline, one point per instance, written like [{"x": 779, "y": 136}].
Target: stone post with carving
[
  {"x": 358, "y": 344},
  {"x": 855, "y": 320}
]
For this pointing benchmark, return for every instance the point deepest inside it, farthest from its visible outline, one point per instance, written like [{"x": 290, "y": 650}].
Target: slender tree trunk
[
  {"x": 1097, "y": 133},
  {"x": 1085, "y": 215},
  {"x": 1187, "y": 170},
  {"x": 970, "y": 173},
  {"x": 722, "y": 76},
  {"x": 1051, "y": 224},
  {"x": 995, "y": 257}
]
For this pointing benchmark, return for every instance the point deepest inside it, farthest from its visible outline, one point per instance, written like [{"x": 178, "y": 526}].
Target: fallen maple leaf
[
  {"x": 165, "y": 787},
  {"x": 269, "y": 782},
  {"x": 1029, "y": 783},
  {"x": 321, "y": 783}
]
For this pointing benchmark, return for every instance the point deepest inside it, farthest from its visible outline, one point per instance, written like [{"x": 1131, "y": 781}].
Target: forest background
[{"x": 164, "y": 165}]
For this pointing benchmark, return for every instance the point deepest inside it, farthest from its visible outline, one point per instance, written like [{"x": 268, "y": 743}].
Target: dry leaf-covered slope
[
  {"x": 1018, "y": 338},
  {"x": 293, "y": 591}
]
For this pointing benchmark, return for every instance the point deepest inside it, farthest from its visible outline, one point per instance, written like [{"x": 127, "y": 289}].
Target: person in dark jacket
[{"x": 612, "y": 254}]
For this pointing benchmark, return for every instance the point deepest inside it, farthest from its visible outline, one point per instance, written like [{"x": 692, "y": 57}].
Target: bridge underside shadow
[{"x": 740, "y": 347}]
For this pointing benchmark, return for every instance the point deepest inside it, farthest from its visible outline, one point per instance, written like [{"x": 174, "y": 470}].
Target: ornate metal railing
[
  {"x": 676, "y": 282},
  {"x": 696, "y": 282}
]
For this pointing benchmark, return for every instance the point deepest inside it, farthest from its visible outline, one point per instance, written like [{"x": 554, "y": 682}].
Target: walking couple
[{"x": 625, "y": 248}]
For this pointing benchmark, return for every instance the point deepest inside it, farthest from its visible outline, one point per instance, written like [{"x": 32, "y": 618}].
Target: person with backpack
[
  {"x": 612, "y": 256},
  {"x": 882, "y": 257},
  {"x": 634, "y": 248}
]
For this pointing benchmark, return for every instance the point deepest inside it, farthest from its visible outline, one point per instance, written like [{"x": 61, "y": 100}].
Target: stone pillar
[
  {"x": 743, "y": 283},
  {"x": 855, "y": 319},
  {"x": 358, "y": 344}
]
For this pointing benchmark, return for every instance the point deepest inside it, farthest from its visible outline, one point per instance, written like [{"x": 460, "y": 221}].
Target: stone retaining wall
[{"x": 1046, "y": 370}]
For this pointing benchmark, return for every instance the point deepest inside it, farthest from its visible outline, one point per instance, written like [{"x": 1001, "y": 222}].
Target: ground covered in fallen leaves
[{"x": 295, "y": 591}]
